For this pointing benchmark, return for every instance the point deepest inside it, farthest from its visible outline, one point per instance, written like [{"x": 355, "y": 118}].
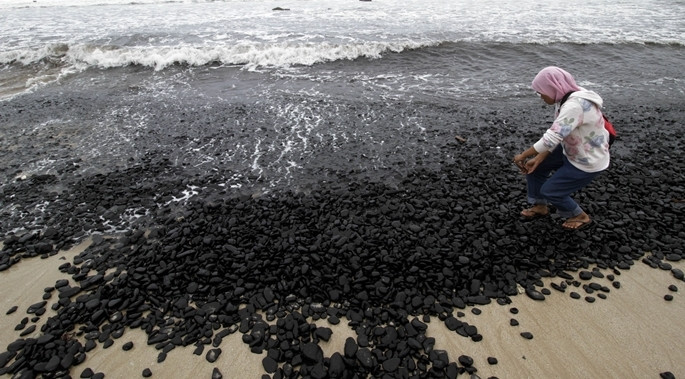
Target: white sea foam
[
  {"x": 251, "y": 55},
  {"x": 160, "y": 33}
]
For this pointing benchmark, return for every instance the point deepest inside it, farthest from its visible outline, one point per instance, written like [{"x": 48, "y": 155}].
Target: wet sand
[{"x": 634, "y": 333}]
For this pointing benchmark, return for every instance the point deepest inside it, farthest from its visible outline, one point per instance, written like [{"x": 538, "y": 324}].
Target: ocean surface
[{"x": 266, "y": 94}]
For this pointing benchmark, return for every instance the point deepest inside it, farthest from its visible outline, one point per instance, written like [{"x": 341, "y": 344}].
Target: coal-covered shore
[{"x": 384, "y": 255}]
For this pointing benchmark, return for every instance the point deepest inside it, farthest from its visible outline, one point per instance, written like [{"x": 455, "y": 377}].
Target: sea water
[{"x": 273, "y": 93}]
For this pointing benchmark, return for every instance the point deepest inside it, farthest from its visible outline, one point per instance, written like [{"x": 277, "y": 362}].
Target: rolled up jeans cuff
[{"x": 535, "y": 201}]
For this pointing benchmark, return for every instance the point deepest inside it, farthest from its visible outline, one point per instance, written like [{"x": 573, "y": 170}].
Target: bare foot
[
  {"x": 538, "y": 210},
  {"x": 577, "y": 222}
]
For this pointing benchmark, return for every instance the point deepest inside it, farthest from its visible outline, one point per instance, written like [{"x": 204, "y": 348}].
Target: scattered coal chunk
[
  {"x": 323, "y": 333},
  {"x": 270, "y": 364},
  {"x": 212, "y": 355},
  {"x": 350, "y": 348},
  {"x": 365, "y": 358},
  {"x": 534, "y": 294},
  {"x": 527, "y": 335},
  {"x": 391, "y": 365},
  {"x": 465, "y": 360}
]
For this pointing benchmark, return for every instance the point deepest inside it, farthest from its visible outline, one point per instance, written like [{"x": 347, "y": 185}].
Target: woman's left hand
[{"x": 534, "y": 162}]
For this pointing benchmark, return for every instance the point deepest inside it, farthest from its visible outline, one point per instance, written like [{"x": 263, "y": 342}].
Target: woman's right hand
[{"x": 520, "y": 160}]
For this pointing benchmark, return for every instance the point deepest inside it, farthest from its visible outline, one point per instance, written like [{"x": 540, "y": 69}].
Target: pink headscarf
[{"x": 554, "y": 82}]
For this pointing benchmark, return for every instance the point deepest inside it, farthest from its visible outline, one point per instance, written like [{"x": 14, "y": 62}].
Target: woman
[{"x": 584, "y": 152}]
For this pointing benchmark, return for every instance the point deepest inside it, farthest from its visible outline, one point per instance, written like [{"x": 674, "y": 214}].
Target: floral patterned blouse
[{"x": 579, "y": 128}]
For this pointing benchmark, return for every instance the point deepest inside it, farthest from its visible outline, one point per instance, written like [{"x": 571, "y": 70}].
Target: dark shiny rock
[
  {"x": 108, "y": 342},
  {"x": 390, "y": 365},
  {"x": 319, "y": 371},
  {"x": 6, "y": 357},
  {"x": 452, "y": 371},
  {"x": 28, "y": 331},
  {"x": 558, "y": 287},
  {"x": 465, "y": 360},
  {"x": 534, "y": 294},
  {"x": 269, "y": 364},
  {"x": 365, "y": 358},
  {"x": 336, "y": 365},
  {"x": 350, "y": 348},
  {"x": 199, "y": 349},
  {"x": 527, "y": 335},
  {"x": 52, "y": 364},
  {"x": 16, "y": 345},
  {"x": 312, "y": 353},
  {"x": 452, "y": 323},
  {"x": 323, "y": 333},
  {"x": 146, "y": 373},
  {"x": 212, "y": 355}
]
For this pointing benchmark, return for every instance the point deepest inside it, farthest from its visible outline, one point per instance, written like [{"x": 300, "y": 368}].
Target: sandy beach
[{"x": 634, "y": 333}]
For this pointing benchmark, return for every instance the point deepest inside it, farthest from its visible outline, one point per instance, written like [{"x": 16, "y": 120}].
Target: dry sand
[{"x": 634, "y": 333}]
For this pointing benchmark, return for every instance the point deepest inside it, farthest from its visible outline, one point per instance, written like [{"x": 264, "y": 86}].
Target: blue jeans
[{"x": 557, "y": 188}]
